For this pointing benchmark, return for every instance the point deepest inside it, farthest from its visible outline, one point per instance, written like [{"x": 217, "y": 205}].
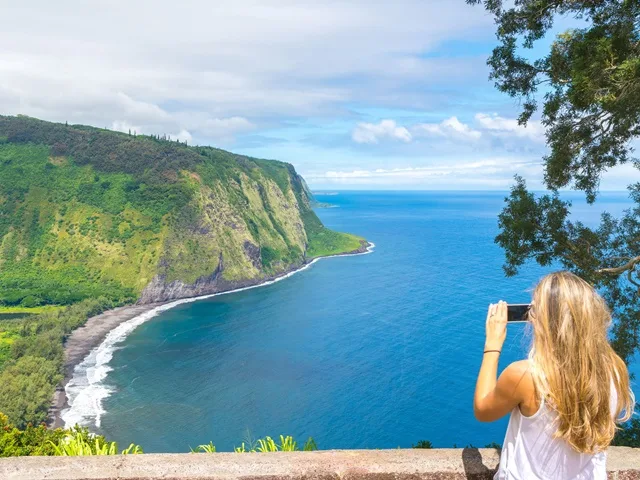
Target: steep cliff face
[{"x": 87, "y": 212}]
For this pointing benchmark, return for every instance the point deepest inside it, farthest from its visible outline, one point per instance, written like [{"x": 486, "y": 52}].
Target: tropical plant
[
  {"x": 310, "y": 445},
  {"x": 267, "y": 444},
  {"x": 79, "y": 443},
  {"x": 133, "y": 449},
  {"x": 207, "y": 448},
  {"x": 243, "y": 448},
  {"x": 71, "y": 446}
]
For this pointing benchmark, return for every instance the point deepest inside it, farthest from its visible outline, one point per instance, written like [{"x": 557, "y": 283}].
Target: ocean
[{"x": 379, "y": 350}]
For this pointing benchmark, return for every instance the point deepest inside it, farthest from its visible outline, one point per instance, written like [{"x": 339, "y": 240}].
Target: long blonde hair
[{"x": 573, "y": 364}]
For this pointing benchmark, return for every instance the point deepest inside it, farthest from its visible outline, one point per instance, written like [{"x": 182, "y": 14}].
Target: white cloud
[
  {"x": 373, "y": 133},
  {"x": 500, "y": 126},
  {"x": 449, "y": 128},
  {"x": 486, "y": 127},
  {"x": 89, "y": 62},
  {"x": 221, "y": 127},
  {"x": 125, "y": 127},
  {"x": 178, "y": 126},
  {"x": 183, "y": 136},
  {"x": 480, "y": 173}
]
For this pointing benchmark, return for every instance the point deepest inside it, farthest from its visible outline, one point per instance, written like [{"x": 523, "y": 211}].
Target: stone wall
[{"x": 468, "y": 463}]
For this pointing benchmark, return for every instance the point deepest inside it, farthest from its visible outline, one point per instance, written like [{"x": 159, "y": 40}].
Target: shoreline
[
  {"x": 93, "y": 334},
  {"x": 80, "y": 344}
]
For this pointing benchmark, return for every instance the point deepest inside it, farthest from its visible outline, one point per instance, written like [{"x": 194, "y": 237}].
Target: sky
[{"x": 355, "y": 94}]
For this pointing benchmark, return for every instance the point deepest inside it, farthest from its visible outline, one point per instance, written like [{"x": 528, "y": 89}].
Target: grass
[
  {"x": 29, "y": 310},
  {"x": 324, "y": 242},
  {"x": 328, "y": 242}
]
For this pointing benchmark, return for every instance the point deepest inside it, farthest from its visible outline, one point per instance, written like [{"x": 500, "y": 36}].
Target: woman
[{"x": 566, "y": 398}]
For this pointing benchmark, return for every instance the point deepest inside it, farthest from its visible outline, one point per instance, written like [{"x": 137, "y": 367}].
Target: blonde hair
[{"x": 573, "y": 364}]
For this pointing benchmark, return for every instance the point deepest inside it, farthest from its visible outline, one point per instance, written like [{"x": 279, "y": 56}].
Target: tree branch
[
  {"x": 630, "y": 278},
  {"x": 630, "y": 265}
]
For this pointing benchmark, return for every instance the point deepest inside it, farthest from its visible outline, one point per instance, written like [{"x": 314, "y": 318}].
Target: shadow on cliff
[{"x": 474, "y": 468}]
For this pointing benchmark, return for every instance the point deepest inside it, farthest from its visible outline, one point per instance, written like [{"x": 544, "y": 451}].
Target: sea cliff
[
  {"x": 92, "y": 219},
  {"x": 87, "y": 212}
]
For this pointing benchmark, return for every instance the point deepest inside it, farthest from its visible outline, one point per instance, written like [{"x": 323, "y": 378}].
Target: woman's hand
[{"x": 496, "y": 326}]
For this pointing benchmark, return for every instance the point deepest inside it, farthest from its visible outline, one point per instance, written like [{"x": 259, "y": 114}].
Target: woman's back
[{"x": 531, "y": 451}]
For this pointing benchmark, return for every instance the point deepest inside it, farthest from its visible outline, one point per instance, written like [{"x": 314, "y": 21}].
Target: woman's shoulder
[
  {"x": 519, "y": 368},
  {"x": 518, "y": 374},
  {"x": 519, "y": 377}
]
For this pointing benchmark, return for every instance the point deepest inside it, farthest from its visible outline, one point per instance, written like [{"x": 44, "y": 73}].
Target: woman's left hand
[{"x": 496, "y": 326}]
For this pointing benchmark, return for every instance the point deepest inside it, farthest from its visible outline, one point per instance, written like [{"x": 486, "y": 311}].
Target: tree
[
  {"x": 27, "y": 389},
  {"x": 588, "y": 85}
]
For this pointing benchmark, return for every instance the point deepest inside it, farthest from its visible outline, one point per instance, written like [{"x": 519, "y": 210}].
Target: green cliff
[{"x": 86, "y": 212}]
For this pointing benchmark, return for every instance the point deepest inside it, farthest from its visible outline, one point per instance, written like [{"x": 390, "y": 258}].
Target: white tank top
[{"x": 530, "y": 452}]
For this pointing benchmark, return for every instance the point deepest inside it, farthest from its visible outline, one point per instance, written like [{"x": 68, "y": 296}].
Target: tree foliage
[
  {"x": 590, "y": 81},
  {"x": 589, "y": 88},
  {"x": 588, "y": 85},
  {"x": 35, "y": 364}
]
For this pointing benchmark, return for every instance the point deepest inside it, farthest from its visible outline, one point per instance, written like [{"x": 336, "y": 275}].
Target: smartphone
[{"x": 518, "y": 312}]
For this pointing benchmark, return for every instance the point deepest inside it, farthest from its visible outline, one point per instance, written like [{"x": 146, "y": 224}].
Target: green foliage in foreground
[
  {"x": 206, "y": 448},
  {"x": 75, "y": 445},
  {"x": 41, "y": 441},
  {"x": 591, "y": 113},
  {"x": 268, "y": 444},
  {"x": 31, "y": 363},
  {"x": 78, "y": 441}
]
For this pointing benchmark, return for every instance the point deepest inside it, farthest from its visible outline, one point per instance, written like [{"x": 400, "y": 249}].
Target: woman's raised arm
[{"x": 493, "y": 398}]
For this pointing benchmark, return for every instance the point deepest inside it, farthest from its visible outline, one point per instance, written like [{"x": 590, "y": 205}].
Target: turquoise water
[{"x": 371, "y": 351}]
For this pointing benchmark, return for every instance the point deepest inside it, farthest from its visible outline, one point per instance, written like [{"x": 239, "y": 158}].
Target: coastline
[
  {"x": 88, "y": 338},
  {"x": 81, "y": 342}
]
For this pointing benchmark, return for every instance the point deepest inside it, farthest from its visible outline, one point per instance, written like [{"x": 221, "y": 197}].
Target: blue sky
[{"x": 355, "y": 94}]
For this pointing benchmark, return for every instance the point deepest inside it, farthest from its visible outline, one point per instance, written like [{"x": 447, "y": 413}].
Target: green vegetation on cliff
[
  {"x": 92, "y": 219},
  {"x": 86, "y": 212}
]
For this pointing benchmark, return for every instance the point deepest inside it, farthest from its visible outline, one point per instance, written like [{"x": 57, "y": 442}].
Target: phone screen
[{"x": 518, "y": 313}]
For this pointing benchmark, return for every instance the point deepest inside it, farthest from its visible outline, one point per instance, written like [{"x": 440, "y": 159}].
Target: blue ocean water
[{"x": 373, "y": 351}]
